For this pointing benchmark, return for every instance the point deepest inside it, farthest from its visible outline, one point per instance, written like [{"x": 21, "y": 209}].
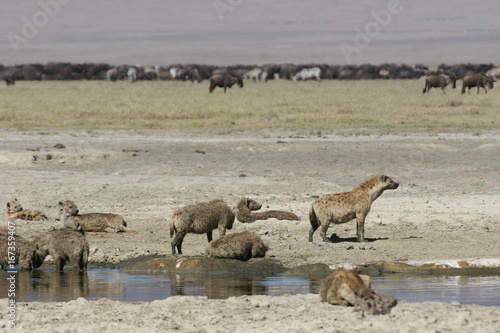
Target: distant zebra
[
  {"x": 112, "y": 74},
  {"x": 175, "y": 72},
  {"x": 253, "y": 74},
  {"x": 132, "y": 74},
  {"x": 494, "y": 72},
  {"x": 308, "y": 73}
]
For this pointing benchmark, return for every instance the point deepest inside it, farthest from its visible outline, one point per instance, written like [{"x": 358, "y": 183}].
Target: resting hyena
[
  {"x": 94, "y": 222},
  {"x": 15, "y": 211},
  {"x": 348, "y": 288},
  {"x": 343, "y": 207}
]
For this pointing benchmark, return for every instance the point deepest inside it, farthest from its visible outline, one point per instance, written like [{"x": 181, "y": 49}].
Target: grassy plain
[{"x": 330, "y": 104}]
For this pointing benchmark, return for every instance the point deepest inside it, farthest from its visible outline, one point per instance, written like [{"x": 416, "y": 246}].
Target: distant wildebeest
[
  {"x": 152, "y": 72},
  {"x": 254, "y": 74},
  {"x": 245, "y": 215},
  {"x": 90, "y": 222},
  {"x": 307, "y": 73},
  {"x": 64, "y": 246},
  {"x": 224, "y": 81},
  {"x": 15, "y": 250},
  {"x": 241, "y": 245},
  {"x": 132, "y": 74},
  {"x": 9, "y": 79},
  {"x": 15, "y": 211},
  {"x": 343, "y": 207},
  {"x": 478, "y": 80},
  {"x": 190, "y": 73},
  {"x": 439, "y": 81},
  {"x": 200, "y": 218},
  {"x": 348, "y": 288}
]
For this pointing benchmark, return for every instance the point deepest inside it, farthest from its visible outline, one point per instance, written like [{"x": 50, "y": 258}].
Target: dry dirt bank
[{"x": 446, "y": 210}]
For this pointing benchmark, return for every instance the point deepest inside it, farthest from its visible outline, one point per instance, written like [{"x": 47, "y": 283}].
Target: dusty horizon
[{"x": 227, "y": 32}]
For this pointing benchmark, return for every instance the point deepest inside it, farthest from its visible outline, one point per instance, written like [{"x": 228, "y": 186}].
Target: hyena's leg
[
  {"x": 360, "y": 227},
  {"x": 59, "y": 264},
  {"x": 324, "y": 229},
  {"x": 177, "y": 241}
]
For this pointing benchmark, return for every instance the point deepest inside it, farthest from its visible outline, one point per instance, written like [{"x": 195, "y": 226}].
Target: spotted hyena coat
[
  {"x": 348, "y": 288},
  {"x": 343, "y": 207},
  {"x": 15, "y": 211},
  {"x": 90, "y": 222}
]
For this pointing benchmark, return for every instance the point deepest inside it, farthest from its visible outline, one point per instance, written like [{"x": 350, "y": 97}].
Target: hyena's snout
[{"x": 394, "y": 185}]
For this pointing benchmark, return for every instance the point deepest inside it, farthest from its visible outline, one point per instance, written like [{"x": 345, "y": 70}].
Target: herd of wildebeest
[{"x": 473, "y": 75}]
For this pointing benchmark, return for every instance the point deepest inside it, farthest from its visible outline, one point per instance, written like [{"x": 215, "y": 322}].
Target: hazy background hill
[{"x": 249, "y": 31}]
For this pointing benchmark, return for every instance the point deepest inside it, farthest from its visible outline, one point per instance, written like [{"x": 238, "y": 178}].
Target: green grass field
[{"x": 331, "y": 104}]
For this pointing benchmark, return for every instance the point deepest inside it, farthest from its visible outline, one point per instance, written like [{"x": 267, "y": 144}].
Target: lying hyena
[
  {"x": 347, "y": 288},
  {"x": 15, "y": 211},
  {"x": 93, "y": 222},
  {"x": 343, "y": 207}
]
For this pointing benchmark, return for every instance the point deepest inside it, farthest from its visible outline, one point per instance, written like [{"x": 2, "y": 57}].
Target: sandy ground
[{"x": 447, "y": 210}]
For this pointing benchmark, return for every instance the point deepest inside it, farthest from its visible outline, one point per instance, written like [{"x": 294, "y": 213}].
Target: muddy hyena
[
  {"x": 343, "y": 207},
  {"x": 15, "y": 211},
  {"x": 247, "y": 206},
  {"x": 241, "y": 245},
  {"x": 199, "y": 219},
  {"x": 65, "y": 246},
  {"x": 23, "y": 252},
  {"x": 93, "y": 222},
  {"x": 348, "y": 288}
]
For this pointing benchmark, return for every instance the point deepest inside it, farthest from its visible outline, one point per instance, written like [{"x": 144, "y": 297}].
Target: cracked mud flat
[{"x": 446, "y": 211}]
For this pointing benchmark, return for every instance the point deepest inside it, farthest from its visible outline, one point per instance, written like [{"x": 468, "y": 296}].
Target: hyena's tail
[
  {"x": 315, "y": 223},
  {"x": 172, "y": 229}
]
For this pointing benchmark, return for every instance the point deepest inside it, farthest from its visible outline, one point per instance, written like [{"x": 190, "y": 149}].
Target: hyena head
[
  {"x": 252, "y": 204},
  {"x": 389, "y": 184},
  {"x": 71, "y": 224},
  {"x": 14, "y": 206},
  {"x": 67, "y": 208}
]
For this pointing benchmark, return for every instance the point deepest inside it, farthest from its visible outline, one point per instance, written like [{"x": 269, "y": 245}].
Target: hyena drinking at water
[{"x": 348, "y": 288}]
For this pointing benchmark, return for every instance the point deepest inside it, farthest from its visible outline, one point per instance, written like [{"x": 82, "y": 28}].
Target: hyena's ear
[
  {"x": 8, "y": 204},
  {"x": 383, "y": 178},
  {"x": 61, "y": 205},
  {"x": 246, "y": 202}
]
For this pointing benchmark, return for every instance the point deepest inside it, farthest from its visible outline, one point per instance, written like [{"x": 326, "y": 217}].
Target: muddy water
[{"x": 120, "y": 285}]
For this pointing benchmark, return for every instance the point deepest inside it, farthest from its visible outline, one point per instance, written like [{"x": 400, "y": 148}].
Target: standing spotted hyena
[
  {"x": 343, "y": 207},
  {"x": 348, "y": 288}
]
